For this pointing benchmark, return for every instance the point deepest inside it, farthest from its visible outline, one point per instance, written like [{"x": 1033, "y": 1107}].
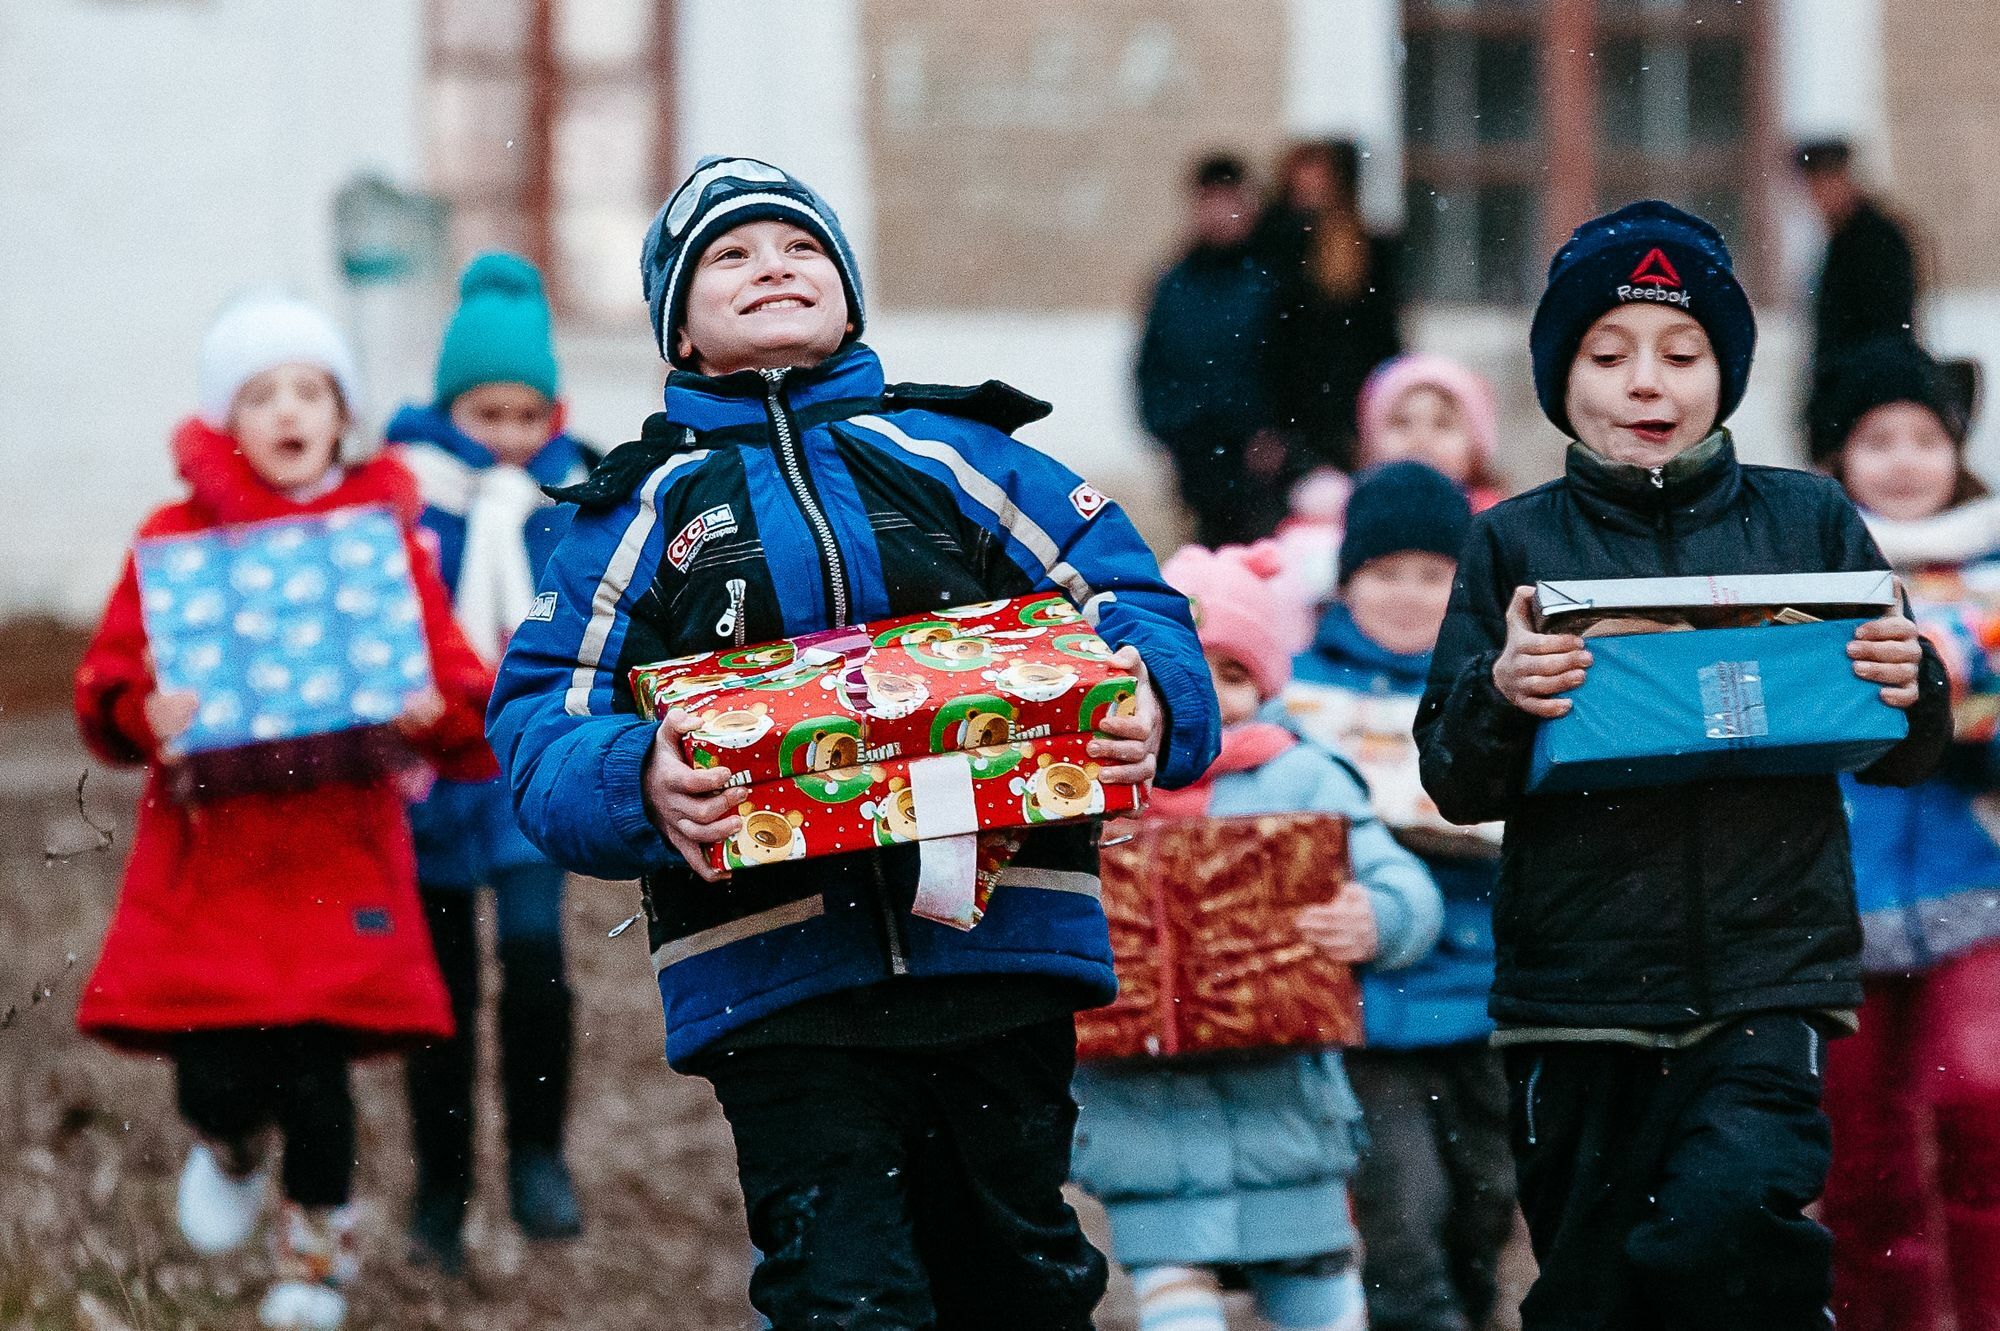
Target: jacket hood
[
  {"x": 1341, "y": 639},
  {"x": 223, "y": 482}
]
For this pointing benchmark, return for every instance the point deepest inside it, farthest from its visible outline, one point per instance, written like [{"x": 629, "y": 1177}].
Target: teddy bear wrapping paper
[{"x": 970, "y": 719}]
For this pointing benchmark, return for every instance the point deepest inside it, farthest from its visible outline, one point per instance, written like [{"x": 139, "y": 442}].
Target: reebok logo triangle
[{"x": 1655, "y": 270}]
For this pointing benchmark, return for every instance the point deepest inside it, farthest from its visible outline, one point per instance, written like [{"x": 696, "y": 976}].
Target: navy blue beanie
[
  {"x": 1403, "y": 506},
  {"x": 720, "y": 194},
  {"x": 1646, "y": 251}
]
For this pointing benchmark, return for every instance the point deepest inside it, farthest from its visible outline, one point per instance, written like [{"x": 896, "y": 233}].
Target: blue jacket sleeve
[
  {"x": 575, "y": 762},
  {"x": 1067, "y": 537}
]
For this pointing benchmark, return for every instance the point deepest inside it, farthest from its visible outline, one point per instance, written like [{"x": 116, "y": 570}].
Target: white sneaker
[
  {"x": 217, "y": 1211},
  {"x": 297, "y": 1305}
]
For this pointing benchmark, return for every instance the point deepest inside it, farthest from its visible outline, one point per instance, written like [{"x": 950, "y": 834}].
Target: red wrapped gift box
[
  {"x": 966, "y": 678},
  {"x": 965, "y": 720},
  {"x": 886, "y": 804},
  {"x": 1208, "y": 954}
]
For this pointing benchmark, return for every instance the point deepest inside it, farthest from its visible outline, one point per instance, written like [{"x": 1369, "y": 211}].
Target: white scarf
[{"x": 496, "y": 588}]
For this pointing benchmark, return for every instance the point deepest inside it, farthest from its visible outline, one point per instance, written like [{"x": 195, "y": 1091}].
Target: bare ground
[{"x": 90, "y": 1145}]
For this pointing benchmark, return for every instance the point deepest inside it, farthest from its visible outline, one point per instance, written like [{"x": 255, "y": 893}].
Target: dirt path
[{"x": 90, "y": 1146}]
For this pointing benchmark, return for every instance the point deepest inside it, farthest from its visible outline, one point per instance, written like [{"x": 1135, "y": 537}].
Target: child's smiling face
[
  {"x": 765, "y": 295},
  {"x": 1899, "y": 462},
  {"x": 287, "y": 423},
  {"x": 1645, "y": 385},
  {"x": 513, "y": 422}
]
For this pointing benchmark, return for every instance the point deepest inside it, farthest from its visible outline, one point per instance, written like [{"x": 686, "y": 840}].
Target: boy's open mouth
[
  {"x": 1653, "y": 431},
  {"x": 292, "y": 448},
  {"x": 790, "y": 300}
]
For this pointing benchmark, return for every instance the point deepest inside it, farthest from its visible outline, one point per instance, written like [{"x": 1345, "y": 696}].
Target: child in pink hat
[
  {"x": 1431, "y": 409},
  {"x": 1415, "y": 408},
  {"x": 1239, "y": 1166}
]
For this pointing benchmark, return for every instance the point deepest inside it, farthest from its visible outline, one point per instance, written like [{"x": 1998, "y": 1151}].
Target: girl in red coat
[{"x": 264, "y": 938}]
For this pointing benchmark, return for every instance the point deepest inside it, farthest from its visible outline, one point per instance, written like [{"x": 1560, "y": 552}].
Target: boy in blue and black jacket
[
  {"x": 490, "y": 438},
  {"x": 898, "y": 1089}
]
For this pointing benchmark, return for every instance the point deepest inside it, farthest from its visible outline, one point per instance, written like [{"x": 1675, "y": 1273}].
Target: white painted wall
[
  {"x": 157, "y": 158},
  {"x": 780, "y": 80},
  {"x": 1344, "y": 77}
]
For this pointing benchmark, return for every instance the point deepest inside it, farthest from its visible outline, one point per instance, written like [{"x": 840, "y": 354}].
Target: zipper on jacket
[
  {"x": 792, "y": 459},
  {"x": 892, "y": 929},
  {"x": 1659, "y": 475},
  {"x": 731, "y": 625}
]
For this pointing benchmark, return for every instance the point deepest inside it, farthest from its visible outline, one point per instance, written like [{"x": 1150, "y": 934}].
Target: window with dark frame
[
  {"x": 551, "y": 134},
  {"x": 1523, "y": 117}
]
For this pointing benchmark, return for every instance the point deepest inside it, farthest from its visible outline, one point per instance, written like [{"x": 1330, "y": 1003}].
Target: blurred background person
[
  {"x": 1866, "y": 287},
  {"x": 1340, "y": 304},
  {"x": 1201, "y": 360}
]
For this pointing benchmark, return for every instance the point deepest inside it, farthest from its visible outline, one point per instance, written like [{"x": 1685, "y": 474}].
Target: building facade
[{"x": 1010, "y": 176}]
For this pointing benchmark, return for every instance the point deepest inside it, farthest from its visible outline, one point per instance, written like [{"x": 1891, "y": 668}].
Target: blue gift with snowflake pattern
[{"x": 285, "y": 629}]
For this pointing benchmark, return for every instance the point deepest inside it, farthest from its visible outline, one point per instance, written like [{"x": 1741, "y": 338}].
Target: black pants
[
  {"x": 1434, "y": 1193},
  {"x": 534, "y": 1030},
  {"x": 912, "y": 1188},
  {"x": 1665, "y": 1191},
  {"x": 234, "y": 1084}
]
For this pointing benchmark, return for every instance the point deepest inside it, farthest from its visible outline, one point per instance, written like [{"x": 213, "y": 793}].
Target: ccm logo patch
[
  {"x": 1087, "y": 500},
  {"x": 544, "y": 608},
  {"x": 717, "y": 521}
]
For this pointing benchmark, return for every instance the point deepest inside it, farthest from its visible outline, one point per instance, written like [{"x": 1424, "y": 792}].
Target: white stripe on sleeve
[{"x": 617, "y": 579}]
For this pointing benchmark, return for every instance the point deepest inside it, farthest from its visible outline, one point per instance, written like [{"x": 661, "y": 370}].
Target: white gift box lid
[{"x": 1866, "y": 593}]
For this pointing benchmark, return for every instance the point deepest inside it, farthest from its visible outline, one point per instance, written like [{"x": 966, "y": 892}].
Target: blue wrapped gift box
[
  {"x": 1656, "y": 709},
  {"x": 285, "y": 629}
]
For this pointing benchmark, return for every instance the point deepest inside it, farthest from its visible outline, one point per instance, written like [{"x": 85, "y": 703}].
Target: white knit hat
[{"x": 259, "y": 332}]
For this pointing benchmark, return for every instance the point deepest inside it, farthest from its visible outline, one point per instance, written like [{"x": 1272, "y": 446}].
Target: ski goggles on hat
[{"x": 681, "y": 209}]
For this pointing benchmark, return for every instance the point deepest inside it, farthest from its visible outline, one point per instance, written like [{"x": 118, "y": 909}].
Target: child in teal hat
[{"x": 482, "y": 451}]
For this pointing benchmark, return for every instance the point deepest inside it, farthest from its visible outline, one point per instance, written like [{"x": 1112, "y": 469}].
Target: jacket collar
[
  {"x": 1341, "y": 639},
  {"x": 1700, "y": 481},
  {"x": 224, "y": 483},
  {"x": 428, "y": 425},
  {"x": 704, "y": 403}
]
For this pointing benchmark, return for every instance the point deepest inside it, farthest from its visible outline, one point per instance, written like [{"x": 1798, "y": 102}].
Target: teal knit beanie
[{"x": 500, "y": 334}]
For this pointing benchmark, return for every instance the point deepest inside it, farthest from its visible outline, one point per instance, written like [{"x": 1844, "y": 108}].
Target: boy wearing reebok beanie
[
  {"x": 898, "y": 1089},
  {"x": 1669, "y": 959},
  {"x": 481, "y": 450}
]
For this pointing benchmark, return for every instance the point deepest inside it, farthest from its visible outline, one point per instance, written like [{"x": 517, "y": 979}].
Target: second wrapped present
[{"x": 1661, "y": 708}]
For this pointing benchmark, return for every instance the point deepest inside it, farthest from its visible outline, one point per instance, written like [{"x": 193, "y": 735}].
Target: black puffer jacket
[{"x": 1672, "y": 905}]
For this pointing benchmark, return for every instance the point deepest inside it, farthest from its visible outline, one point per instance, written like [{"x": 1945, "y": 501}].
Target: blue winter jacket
[
  {"x": 466, "y": 830},
  {"x": 1441, "y": 999},
  {"x": 1223, "y": 1160},
  {"x": 1926, "y": 866},
  {"x": 767, "y": 504}
]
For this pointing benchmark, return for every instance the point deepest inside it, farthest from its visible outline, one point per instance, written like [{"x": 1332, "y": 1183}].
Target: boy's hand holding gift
[
  {"x": 1534, "y": 667},
  {"x": 688, "y": 804},
  {"x": 1131, "y": 742},
  {"x": 1887, "y": 651}
]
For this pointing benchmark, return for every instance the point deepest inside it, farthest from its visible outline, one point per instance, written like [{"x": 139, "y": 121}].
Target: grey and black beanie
[{"x": 723, "y": 193}]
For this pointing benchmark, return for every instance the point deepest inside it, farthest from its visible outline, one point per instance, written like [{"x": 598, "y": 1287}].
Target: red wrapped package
[{"x": 1203, "y": 931}]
